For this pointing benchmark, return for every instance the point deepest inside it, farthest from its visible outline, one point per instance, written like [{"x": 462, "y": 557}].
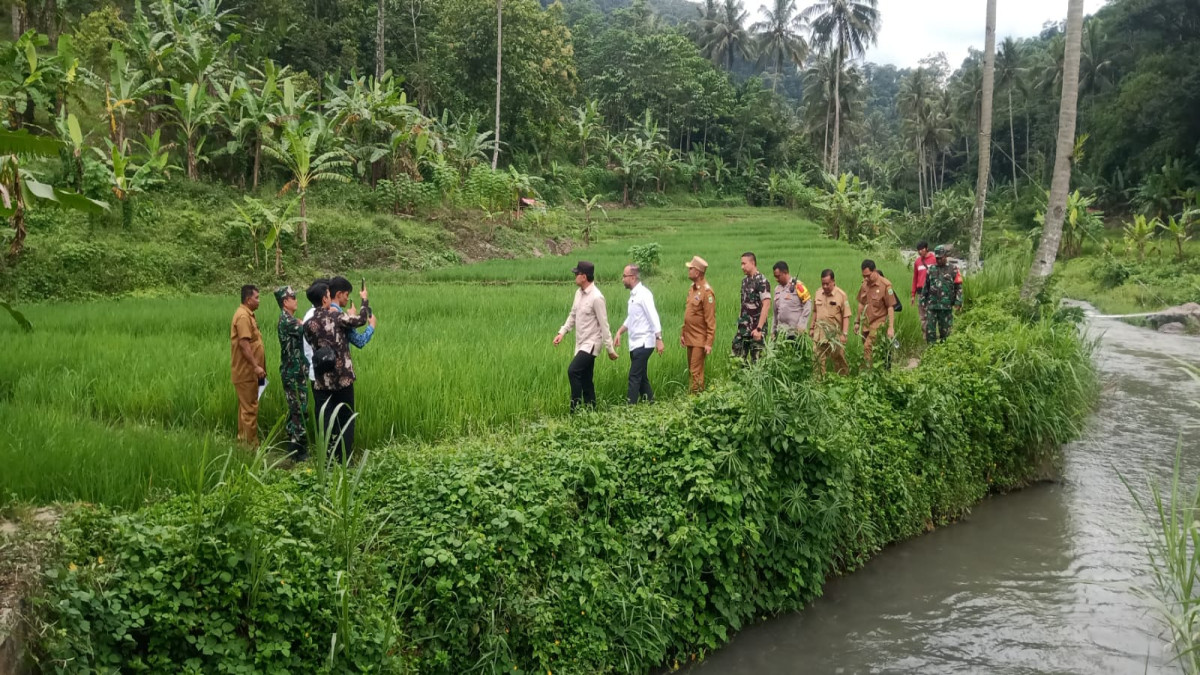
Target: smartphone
[{"x": 364, "y": 284}]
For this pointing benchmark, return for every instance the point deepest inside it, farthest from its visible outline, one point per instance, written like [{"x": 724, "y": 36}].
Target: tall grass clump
[
  {"x": 1174, "y": 555},
  {"x": 615, "y": 541}
]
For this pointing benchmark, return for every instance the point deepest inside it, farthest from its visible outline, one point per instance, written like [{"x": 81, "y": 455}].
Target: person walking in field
[
  {"x": 699, "y": 322},
  {"x": 943, "y": 296},
  {"x": 876, "y": 305},
  {"x": 293, "y": 372},
  {"x": 248, "y": 363},
  {"x": 645, "y": 334},
  {"x": 333, "y": 389},
  {"x": 756, "y": 308},
  {"x": 831, "y": 323},
  {"x": 925, "y": 259},
  {"x": 793, "y": 304},
  {"x": 589, "y": 320}
]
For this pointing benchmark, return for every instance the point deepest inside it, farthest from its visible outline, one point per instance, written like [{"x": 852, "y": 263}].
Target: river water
[{"x": 1039, "y": 581}]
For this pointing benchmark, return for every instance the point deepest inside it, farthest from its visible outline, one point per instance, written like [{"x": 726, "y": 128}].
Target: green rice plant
[{"x": 459, "y": 350}]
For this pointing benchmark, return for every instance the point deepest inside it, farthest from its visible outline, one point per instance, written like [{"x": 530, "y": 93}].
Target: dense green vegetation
[
  {"x": 460, "y": 349},
  {"x": 618, "y": 541},
  {"x": 640, "y": 101}
]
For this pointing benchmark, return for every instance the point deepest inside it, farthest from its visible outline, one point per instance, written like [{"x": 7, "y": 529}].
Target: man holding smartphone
[{"x": 339, "y": 291}]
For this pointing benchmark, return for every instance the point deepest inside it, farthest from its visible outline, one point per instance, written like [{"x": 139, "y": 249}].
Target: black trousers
[
  {"x": 639, "y": 380},
  {"x": 338, "y": 422},
  {"x": 580, "y": 374}
]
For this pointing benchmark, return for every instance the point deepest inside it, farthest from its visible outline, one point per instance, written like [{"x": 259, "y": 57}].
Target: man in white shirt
[
  {"x": 589, "y": 318},
  {"x": 645, "y": 334}
]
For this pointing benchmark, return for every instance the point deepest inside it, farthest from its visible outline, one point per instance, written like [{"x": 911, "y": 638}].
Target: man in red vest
[{"x": 921, "y": 265}]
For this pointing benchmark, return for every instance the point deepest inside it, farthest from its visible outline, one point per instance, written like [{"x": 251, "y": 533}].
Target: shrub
[
  {"x": 610, "y": 542},
  {"x": 646, "y": 256}
]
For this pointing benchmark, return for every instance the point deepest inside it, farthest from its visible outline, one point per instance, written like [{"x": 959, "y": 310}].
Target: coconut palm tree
[
  {"x": 843, "y": 28},
  {"x": 297, "y": 150},
  {"x": 499, "y": 55},
  {"x": 1009, "y": 71},
  {"x": 726, "y": 34},
  {"x": 985, "y": 137},
  {"x": 1043, "y": 262},
  {"x": 780, "y": 38}
]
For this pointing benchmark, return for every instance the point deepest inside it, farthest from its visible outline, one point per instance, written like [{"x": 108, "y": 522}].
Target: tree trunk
[
  {"x": 18, "y": 20},
  {"x": 825, "y": 151},
  {"x": 985, "y": 139},
  {"x": 18, "y": 217},
  {"x": 920, "y": 176},
  {"x": 257, "y": 160},
  {"x": 304, "y": 223},
  {"x": 379, "y": 37},
  {"x": 193, "y": 170},
  {"x": 278, "y": 255},
  {"x": 499, "y": 55},
  {"x": 1012, "y": 144},
  {"x": 837, "y": 113},
  {"x": 1043, "y": 262},
  {"x": 50, "y": 14}
]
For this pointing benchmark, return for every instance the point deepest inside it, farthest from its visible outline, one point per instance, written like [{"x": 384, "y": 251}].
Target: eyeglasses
[{"x": 628, "y": 275}]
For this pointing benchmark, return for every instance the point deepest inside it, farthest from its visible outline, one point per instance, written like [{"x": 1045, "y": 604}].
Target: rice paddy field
[{"x": 117, "y": 400}]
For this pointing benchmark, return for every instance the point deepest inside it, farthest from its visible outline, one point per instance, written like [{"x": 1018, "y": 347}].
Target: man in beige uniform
[
  {"x": 699, "y": 322},
  {"x": 589, "y": 318},
  {"x": 831, "y": 322},
  {"x": 248, "y": 362},
  {"x": 876, "y": 304}
]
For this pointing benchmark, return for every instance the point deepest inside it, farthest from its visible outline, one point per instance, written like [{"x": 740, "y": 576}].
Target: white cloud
[{"x": 913, "y": 29}]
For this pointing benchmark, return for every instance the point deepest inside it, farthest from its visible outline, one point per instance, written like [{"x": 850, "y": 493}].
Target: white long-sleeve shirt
[{"x": 642, "y": 321}]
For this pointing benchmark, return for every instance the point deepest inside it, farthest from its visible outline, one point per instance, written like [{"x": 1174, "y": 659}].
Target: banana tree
[
  {"x": 589, "y": 204},
  {"x": 277, "y": 222},
  {"x": 19, "y": 188},
  {"x": 1178, "y": 229},
  {"x": 1138, "y": 234},
  {"x": 297, "y": 150},
  {"x": 586, "y": 127},
  {"x": 128, "y": 178},
  {"x": 260, "y": 108},
  {"x": 24, "y": 77},
  {"x": 72, "y": 138},
  {"x": 126, "y": 89},
  {"x": 248, "y": 220},
  {"x": 193, "y": 110}
]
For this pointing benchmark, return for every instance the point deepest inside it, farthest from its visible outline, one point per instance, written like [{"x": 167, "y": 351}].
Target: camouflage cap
[
  {"x": 941, "y": 251},
  {"x": 282, "y": 293}
]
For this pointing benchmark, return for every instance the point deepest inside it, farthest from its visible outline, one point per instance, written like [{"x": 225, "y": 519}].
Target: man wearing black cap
[
  {"x": 293, "y": 372},
  {"x": 589, "y": 318}
]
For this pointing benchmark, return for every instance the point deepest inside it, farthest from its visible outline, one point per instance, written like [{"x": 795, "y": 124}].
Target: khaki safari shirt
[
  {"x": 589, "y": 318},
  {"x": 245, "y": 327},
  {"x": 874, "y": 300},
  {"x": 830, "y": 313},
  {"x": 700, "y": 317}
]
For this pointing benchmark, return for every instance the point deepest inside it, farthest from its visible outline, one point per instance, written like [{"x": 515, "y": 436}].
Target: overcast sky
[{"x": 913, "y": 29}]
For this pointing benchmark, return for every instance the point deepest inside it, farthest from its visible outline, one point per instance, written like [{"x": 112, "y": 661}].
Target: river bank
[{"x": 1043, "y": 580}]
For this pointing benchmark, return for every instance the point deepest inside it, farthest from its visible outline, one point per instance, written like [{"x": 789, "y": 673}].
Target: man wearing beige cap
[
  {"x": 589, "y": 318},
  {"x": 699, "y": 322}
]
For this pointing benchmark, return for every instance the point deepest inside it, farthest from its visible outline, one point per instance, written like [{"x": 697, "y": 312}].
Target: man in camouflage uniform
[
  {"x": 943, "y": 296},
  {"x": 293, "y": 372},
  {"x": 756, "y": 307}
]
